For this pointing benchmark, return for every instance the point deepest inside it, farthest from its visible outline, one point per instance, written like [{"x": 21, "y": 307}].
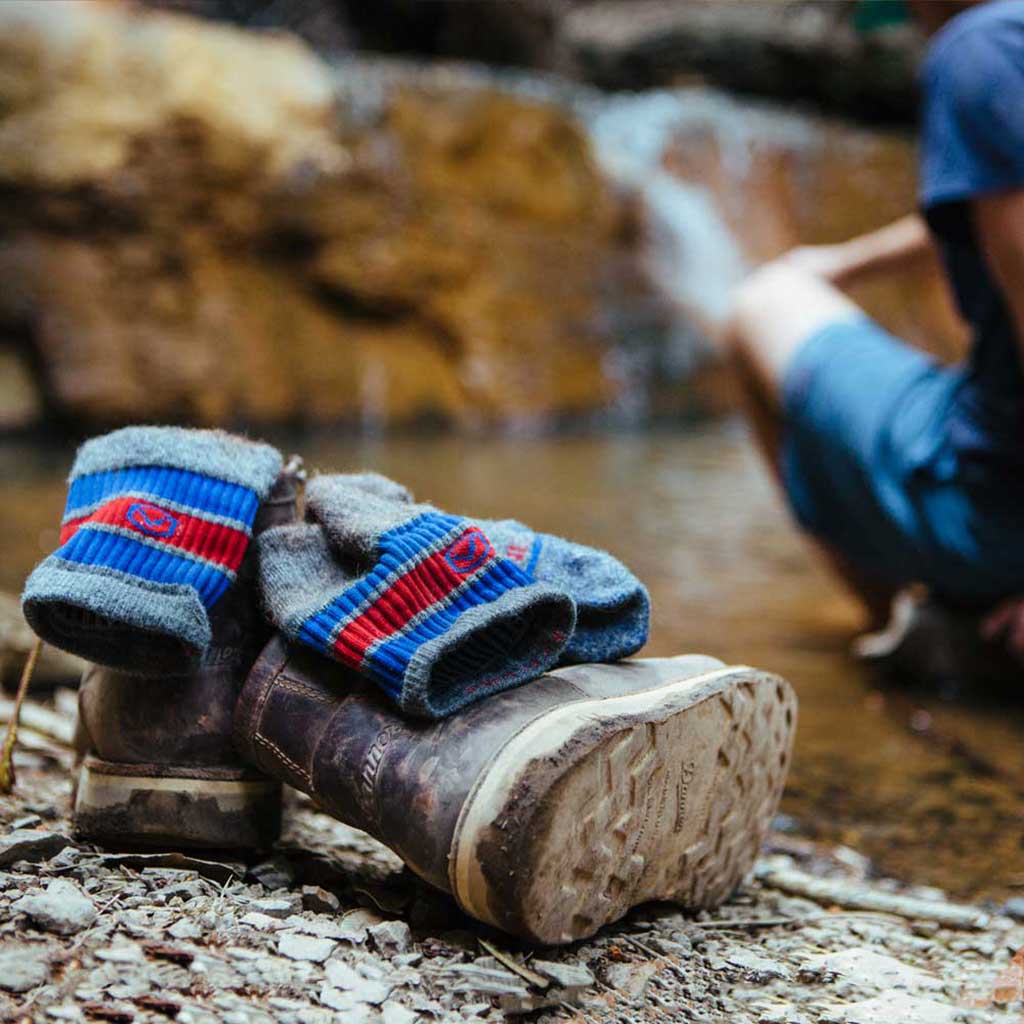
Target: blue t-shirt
[{"x": 973, "y": 143}]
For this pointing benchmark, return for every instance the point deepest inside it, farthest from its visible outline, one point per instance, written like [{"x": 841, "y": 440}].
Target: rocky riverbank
[{"x": 330, "y": 926}]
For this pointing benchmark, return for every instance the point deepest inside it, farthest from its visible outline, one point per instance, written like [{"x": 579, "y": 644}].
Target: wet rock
[
  {"x": 184, "y": 928},
  {"x": 867, "y": 968},
  {"x": 630, "y": 979},
  {"x": 793, "y": 49},
  {"x": 753, "y": 966},
  {"x": 275, "y": 907},
  {"x": 780, "y": 1015},
  {"x": 564, "y": 975},
  {"x": 276, "y": 873},
  {"x": 395, "y": 1013},
  {"x": 319, "y": 901},
  {"x": 319, "y": 279},
  {"x": 62, "y": 908},
  {"x": 356, "y": 924},
  {"x": 362, "y": 989},
  {"x": 297, "y": 946},
  {"x": 262, "y": 922},
  {"x": 391, "y": 936},
  {"x": 23, "y": 967},
  {"x": 486, "y": 980},
  {"x": 121, "y": 953},
  {"x": 891, "y": 1007},
  {"x": 324, "y": 927},
  {"x": 31, "y": 845},
  {"x": 66, "y": 1011}
]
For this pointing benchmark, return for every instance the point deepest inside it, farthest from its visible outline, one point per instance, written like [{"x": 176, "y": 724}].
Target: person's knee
[
  {"x": 774, "y": 310},
  {"x": 756, "y": 302}
]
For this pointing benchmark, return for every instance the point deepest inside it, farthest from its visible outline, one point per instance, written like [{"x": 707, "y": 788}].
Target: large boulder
[{"x": 194, "y": 229}]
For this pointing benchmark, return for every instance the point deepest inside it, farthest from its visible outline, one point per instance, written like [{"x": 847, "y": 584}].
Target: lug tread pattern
[{"x": 621, "y": 821}]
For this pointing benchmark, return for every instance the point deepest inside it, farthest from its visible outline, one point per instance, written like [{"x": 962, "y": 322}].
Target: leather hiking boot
[
  {"x": 552, "y": 809},
  {"x": 938, "y": 647},
  {"x": 159, "y": 764}
]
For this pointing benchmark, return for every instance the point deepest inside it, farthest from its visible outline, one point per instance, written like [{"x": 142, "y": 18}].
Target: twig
[
  {"x": 575, "y": 1011},
  {"x": 644, "y": 948},
  {"x": 532, "y": 977},
  {"x": 834, "y": 892},
  {"x": 7, "y": 777}
]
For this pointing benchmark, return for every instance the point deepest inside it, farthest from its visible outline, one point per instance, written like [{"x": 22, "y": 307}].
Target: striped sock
[
  {"x": 157, "y": 522},
  {"x": 413, "y": 598}
]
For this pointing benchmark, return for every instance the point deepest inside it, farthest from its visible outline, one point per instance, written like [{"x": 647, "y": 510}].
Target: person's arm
[{"x": 892, "y": 247}]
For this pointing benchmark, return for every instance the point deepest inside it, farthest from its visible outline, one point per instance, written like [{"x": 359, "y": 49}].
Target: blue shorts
[{"x": 869, "y": 468}]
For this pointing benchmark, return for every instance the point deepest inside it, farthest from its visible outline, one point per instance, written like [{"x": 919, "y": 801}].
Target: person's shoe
[
  {"x": 158, "y": 765},
  {"x": 548, "y": 810},
  {"x": 937, "y": 646}
]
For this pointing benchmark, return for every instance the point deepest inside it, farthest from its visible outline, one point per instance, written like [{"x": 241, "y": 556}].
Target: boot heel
[{"x": 135, "y": 805}]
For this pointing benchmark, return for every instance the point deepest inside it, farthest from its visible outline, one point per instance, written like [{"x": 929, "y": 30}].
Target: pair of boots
[{"x": 547, "y": 810}]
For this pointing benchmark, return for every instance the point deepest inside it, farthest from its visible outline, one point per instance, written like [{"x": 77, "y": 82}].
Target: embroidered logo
[
  {"x": 469, "y": 552},
  {"x": 149, "y": 519},
  {"x": 517, "y": 552}
]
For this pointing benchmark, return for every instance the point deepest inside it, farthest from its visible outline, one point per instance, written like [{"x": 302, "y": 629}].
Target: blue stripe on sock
[
  {"x": 401, "y": 549},
  {"x": 388, "y": 662},
  {"x": 531, "y": 565},
  {"x": 133, "y": 558},
  {"x": 193, "y": 490}
]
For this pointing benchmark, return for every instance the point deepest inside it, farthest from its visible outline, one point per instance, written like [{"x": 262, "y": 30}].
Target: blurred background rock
[{"x": 245, "y": 212}]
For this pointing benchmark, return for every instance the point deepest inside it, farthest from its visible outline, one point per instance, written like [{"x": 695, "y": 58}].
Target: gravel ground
[{"x": 332, "y": 928}]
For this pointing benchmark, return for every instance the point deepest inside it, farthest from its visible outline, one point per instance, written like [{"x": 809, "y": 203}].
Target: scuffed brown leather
[{"x": 326, "y": 731}]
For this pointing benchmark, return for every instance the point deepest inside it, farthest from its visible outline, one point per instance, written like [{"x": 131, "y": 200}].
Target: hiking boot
[
  {"x": 159, "y": 764},
  {"x": 551, "y": 809},
  {"x": 937, "y": 646}
]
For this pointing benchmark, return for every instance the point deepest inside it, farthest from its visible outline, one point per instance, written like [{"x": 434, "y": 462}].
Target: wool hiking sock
[
  {"x": 156, "y": 525},
  {"x": 613, "y": 608},
  {"x": 416, "y": 600}
]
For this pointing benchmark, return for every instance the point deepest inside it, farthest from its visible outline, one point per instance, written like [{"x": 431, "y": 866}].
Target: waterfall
[{"x": 691, "y": 256}]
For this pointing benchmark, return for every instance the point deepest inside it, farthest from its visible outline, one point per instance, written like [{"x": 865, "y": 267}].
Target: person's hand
[
  {"x": 833, "y": 263},
  {"x": 1006, "y": 624}
]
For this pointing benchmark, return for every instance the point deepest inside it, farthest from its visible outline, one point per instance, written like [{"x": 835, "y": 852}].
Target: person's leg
[{"x": 774, "y": 312}]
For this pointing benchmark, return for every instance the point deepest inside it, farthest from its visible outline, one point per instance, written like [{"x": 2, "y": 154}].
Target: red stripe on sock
[
  {"x": 215, "y": 542},
  {"x": 413, "y": 592}
]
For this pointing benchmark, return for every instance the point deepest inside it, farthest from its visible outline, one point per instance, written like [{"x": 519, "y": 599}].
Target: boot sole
[
  {"x": 665, "y": 794},
  {"x": 128, "y": 805}
]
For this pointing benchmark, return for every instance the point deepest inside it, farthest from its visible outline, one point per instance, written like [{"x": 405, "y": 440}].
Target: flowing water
[{"x": 930, "y": 790}]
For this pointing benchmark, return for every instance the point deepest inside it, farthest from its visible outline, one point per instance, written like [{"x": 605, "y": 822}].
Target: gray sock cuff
[
  {"x": 492, "y": 648},
  {"x": 115, "y": 619},
  {"x": 298, "y": 573},
  {"x": 213, "y": 453},
  {"x": 371, "y": 483},
  {"x": 353, "y": 516}
]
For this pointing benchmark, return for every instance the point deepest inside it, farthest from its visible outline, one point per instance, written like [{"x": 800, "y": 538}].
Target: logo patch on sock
[
  {"x": 469, "y": 552},
  {"x": 149, "y": 519}
]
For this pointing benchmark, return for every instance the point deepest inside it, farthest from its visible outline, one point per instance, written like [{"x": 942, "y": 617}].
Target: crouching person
[{"x": 904, "y": 470}]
